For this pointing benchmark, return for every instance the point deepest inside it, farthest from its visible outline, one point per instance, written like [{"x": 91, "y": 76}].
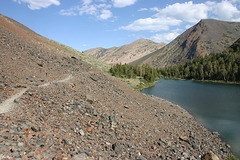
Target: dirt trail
[
  {"x": 8, "y": 104},
  {"x": 60, "y": 81}
]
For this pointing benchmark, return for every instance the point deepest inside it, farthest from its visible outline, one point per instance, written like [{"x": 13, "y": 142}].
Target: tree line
[
  {"x": 132, "y": 71},
  {"x": 223, "y": 66},
  {"x": 216, "y": 66}
]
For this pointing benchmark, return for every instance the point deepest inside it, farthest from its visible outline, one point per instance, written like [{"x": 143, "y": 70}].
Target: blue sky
[{"x": 85, "y": 24}]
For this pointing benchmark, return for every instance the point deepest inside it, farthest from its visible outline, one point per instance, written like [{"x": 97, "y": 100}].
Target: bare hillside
[{"x": 127, "y": 53}]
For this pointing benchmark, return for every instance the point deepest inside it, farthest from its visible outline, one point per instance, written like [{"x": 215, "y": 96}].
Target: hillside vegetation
[
  {"x": 138, "y": 77},
  {"x": 223, "y": 66}
]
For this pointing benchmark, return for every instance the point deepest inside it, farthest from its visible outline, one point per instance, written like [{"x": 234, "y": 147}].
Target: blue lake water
[{"x": 216, "y": 106}]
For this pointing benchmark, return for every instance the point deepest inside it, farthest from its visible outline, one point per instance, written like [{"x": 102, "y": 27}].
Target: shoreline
[
  {"x": 205, "y": 81},
  {"x": 199, "y": 121},
  {"x": 211, "y": 130},
  {"x": 137, "y": 84}
]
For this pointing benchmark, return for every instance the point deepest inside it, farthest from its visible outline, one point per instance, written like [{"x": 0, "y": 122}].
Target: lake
[{"x": 216, "y": 106}]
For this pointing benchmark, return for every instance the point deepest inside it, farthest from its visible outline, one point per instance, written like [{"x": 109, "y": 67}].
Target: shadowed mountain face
[
  {"x": 205, "y": 37},
  {"x": 66, "y": 108},
  {"x": 127, "y": 53},
  {"x": 236, "y": 46}
]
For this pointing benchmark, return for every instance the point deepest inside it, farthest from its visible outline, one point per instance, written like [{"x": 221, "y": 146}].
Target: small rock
[
  {"x": 94, "y": 77},
  {"x": 81, "y": 132},
  {"x": 40, "y": 64},
  {"x": 95, "y": 113},
  {"x": 228, "y": 146},
  {"x": 20, "y": 144},
  {"x": 216, "y": 134},
  {"x": 113, "y": 121},
  {"x": 41, "y": 119},
  {"x": 82, "y": 156},
  {"x": 89, "y": 98},
  {"x": 185, "y": 154},
  {"x": 126, "y": 107},
  {"x": 34, "y": 129},
  {"x": 209, "y": 156},
  {"x": 89, "y": 129},
  {"x": 17, "y": 101},
  {"x": 116, "y": 147},
  {"x": 107, "y": 143},
  {"x": 184, "y": 138}
]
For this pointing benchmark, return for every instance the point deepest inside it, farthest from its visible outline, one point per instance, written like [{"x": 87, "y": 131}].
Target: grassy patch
[
  {"x": 68, "y": 51},
  {"x": 233, "y": 158},
  {"x": 93, "y": 61},
  {"x": 138, "y": 83}
]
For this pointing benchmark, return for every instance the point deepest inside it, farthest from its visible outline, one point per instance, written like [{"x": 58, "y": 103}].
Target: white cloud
[
  {"x": 142, "y": 9},
  {"x": 164, "y": 37},
  {"x": 69, "y": 12},
  {"x": 87, "y": 2},
  {"x": 187, "y": 11},
  {"x": 88, "y": 9},
  {"x": 192, "y": 13},
  {"x": 105, "y": 14},
  {"x": 152, "y": 24},
  {"x": 156, "y": 9},
  {"x": 171, "y": 15},
  {"x": 186, "y": 14},
  {"x": 37, "y": 4},
  {"x": 98, "y": 9},
  {"x": 225, "y": 10},
  {"x": 123, "y": 3}
]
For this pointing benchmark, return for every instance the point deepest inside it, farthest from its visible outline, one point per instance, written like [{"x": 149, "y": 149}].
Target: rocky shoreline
[{"x": 66, "y": 120}]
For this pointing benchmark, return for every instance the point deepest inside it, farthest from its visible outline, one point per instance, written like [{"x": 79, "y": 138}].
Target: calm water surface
[{"x": 216, "y": 106}]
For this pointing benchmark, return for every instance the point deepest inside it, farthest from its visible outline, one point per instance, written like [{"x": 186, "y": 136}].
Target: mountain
[
  {"x": 127, "y": 53},
  {"x": 223, "y": 66},
  {"x": 205, "y": 37},
  {"x": 235, "y": 46},
  {"x": 55, "y": 104}
]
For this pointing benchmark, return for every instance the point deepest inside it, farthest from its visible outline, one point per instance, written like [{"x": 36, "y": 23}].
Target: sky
[{"x": 86, "y": 24}]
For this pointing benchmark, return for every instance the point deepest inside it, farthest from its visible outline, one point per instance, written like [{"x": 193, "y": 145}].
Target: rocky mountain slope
[
  {"x": 61, "y": 107},
  {"x": 127, "y": 53},
  {"x": 205, "y": 37},
  {"x": 235, "y": 46}
]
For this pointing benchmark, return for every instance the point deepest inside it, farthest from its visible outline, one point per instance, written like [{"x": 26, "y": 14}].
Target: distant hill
[
  {"x": 205, "y": 37},
  {"x": 127, "y": 53}
]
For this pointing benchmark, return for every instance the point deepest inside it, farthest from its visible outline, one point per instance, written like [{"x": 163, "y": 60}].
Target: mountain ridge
[
  {"x": 207, "y": 36},
  {"x": 126, "y": 53}
]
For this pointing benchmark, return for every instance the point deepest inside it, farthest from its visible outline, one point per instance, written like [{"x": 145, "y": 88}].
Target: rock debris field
[{"x": 60, "y": 107}]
